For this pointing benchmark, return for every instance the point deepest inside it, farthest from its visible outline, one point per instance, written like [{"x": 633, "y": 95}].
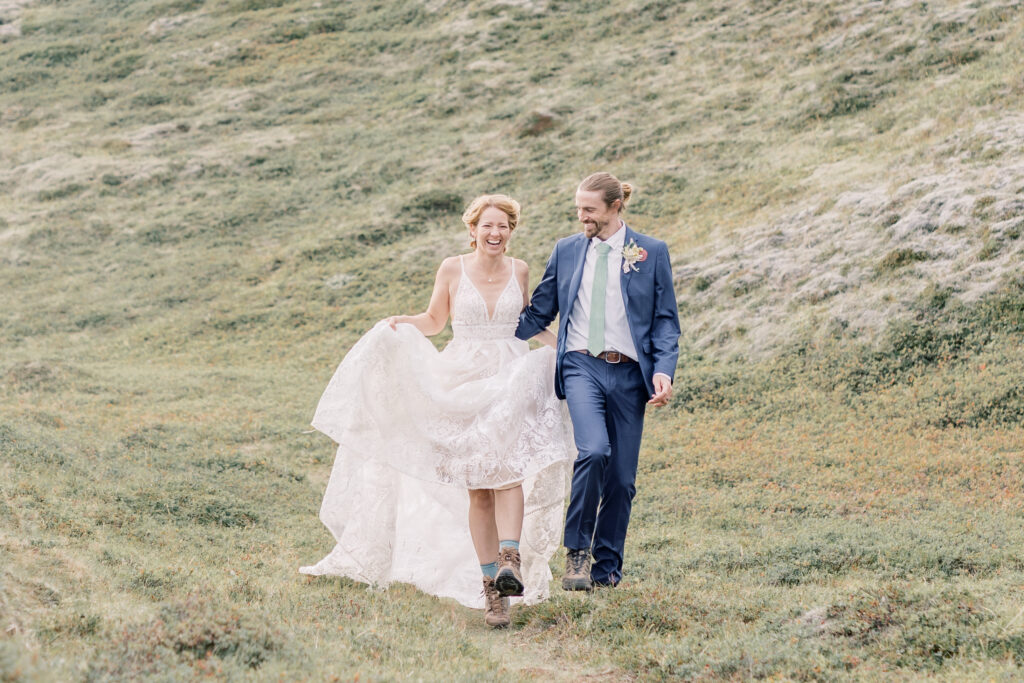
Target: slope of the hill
[
  {"x": 203, "y": 203},
  {"x": 175, "y": 171}
]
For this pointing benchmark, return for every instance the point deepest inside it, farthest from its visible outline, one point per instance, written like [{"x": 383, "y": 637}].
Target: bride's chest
[{"x": 490, "y": 302}]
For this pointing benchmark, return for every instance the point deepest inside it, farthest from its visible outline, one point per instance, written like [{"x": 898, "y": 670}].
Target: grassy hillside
[{"x": 203, "y": 204}]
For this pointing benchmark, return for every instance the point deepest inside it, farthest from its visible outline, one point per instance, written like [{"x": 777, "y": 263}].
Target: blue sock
[
  {"x": 508, "y": 544},
  {"x": 490, "y": 569}
]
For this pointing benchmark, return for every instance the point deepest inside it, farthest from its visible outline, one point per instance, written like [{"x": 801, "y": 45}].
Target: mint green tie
[{"x": 595, "y": 340}]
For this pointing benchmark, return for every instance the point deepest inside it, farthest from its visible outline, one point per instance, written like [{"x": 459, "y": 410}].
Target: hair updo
[
  {"x": 609, "y": 187},
  {"x": 499, "y": 201}
]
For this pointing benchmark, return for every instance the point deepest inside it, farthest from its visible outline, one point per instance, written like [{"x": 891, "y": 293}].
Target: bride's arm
[{"x": 433, "y": 320}]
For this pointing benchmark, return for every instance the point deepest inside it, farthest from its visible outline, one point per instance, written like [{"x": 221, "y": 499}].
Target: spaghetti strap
[{"x": 514, "y": 278}]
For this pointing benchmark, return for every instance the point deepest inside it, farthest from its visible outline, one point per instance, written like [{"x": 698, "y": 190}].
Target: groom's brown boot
[
  {"x": 509, "y": 580},
  {"x": 496, "y": 606},
  {"x": 577, "y": 571}
]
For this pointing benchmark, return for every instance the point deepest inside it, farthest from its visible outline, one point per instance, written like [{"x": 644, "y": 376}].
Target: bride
[{"x": 428, "y": 440}]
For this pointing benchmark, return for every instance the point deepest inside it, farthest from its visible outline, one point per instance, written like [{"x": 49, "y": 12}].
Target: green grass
[{"x": 203, "y": 205}]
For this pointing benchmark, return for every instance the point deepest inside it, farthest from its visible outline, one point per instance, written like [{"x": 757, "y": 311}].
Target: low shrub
[
  {"x": 196, "y": 636},
  {"x": 962, "y": 359}
]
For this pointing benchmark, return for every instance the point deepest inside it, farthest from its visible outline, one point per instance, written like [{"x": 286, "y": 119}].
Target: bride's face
[{"x": 492, "y": 232}]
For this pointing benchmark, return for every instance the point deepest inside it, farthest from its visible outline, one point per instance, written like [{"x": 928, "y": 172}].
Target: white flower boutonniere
[{"x": 632, "y": 254}]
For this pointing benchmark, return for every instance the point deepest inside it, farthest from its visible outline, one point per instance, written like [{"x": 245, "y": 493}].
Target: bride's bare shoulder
[
  {"x": 451, "y": 263},
  {"x": 449, "y": 269}
]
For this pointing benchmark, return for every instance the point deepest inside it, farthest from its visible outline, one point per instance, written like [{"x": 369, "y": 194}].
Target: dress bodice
[{"x": 470, "y": 319}]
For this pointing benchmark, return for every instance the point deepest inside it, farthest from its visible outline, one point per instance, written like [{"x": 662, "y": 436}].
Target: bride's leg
[
  {"x": 508, "y": 517},
  {"x": 485, "y": 540},
  {"x": 508, "y": 513},
  {"x": 481, "y": 525}
]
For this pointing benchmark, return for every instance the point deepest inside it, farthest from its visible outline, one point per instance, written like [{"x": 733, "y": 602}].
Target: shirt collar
[{"x": 616, "y": 241}]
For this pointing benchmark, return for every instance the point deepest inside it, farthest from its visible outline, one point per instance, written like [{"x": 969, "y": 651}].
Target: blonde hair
[
  {"x": 502, "y": 202},
  {"x": 609, "y": 187}
]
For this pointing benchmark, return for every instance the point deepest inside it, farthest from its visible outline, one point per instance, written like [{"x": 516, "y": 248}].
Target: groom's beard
[{"x": 592, "y": 228}]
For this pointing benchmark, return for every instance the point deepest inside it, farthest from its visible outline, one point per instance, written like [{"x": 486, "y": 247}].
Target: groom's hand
[{"x": 662, "y": 390}]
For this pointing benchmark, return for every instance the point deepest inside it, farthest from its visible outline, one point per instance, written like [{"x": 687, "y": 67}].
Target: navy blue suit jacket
[{"x": 648, "y": 295}]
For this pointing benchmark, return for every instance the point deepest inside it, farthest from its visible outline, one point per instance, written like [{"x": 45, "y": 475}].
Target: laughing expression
[{"x": 492, "y": 231}]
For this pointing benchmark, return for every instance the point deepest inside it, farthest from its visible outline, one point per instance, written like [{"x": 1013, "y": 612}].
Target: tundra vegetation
[{"x": 204, "y": 203}]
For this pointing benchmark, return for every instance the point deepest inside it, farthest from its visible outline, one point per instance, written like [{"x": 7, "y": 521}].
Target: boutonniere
[{"x": 632, "y": 254}]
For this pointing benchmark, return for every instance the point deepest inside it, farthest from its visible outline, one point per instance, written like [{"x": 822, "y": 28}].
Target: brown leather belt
[{"x": 609, "y": 356}]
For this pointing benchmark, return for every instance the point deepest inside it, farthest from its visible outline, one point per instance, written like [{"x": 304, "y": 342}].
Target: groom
[{"x": 618, "y": 340}]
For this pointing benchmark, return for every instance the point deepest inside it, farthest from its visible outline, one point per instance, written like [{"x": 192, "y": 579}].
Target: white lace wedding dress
[{"x": 416, "y": 428}]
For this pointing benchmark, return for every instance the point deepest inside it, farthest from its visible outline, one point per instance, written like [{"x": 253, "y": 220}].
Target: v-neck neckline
[{"x": 489, "y": 313}]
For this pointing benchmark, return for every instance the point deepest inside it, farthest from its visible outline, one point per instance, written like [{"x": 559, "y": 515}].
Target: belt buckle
[{"x": 609, "y": 354}]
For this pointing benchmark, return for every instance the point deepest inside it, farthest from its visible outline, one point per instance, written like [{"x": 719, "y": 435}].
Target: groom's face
[{"x": 597, "y": 217}]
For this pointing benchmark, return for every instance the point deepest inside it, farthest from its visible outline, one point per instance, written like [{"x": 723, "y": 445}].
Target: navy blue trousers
[{"x": 607, "y": 403}]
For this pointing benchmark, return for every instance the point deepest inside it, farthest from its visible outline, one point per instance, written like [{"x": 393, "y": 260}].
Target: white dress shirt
[{"x": 616, "y": 327}]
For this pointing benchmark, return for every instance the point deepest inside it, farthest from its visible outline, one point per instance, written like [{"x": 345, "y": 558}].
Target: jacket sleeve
[
  {"x": 543, "y": 306},
  {"x": 665, "y": 329}
]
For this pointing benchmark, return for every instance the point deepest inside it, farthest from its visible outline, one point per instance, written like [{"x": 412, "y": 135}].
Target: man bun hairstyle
[{"x": 610, "y": 188}]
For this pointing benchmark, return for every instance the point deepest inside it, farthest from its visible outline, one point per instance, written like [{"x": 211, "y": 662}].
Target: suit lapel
[{"x": 579, "y": 253}]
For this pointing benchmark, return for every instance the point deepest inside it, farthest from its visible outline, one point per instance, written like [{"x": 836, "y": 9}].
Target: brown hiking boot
[
  {"x": 577, "y": 571},
  {"x": 509, "y": 580},
  {"x": 496, "y": 610}
]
